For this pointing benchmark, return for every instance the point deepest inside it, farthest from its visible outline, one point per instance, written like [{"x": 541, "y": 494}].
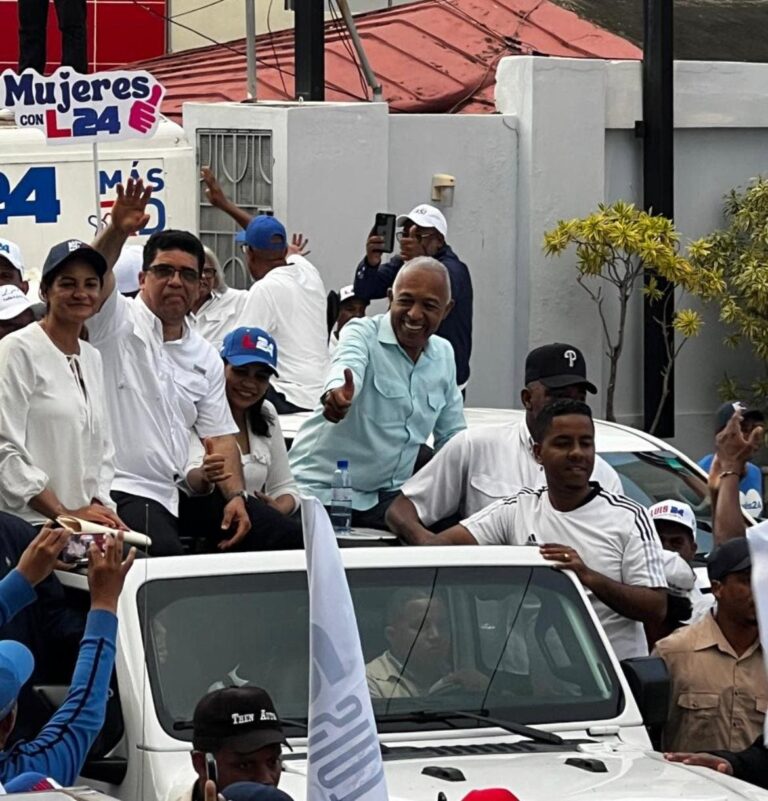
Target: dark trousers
[
  {"x": 150, "y": 518},
  {"x": 200, "y": 517},
  {"x": 281, "y": 403},
  {"x": 33, "y": 17}
]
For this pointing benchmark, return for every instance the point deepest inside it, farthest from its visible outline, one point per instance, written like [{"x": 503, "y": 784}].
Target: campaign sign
[{"x": 70, "y": 108}]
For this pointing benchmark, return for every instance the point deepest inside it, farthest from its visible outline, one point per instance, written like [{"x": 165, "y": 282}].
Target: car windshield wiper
[{"x": 444, "y": 715}]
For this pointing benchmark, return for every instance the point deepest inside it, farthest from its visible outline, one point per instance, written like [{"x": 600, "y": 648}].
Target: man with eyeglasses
[
  {"x": 218, "y": 306},
  {"x": 162, "y": 381},
  {"x": 423, "y": 234}
]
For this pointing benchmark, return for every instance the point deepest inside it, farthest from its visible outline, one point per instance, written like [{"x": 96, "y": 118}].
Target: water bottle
[{"x": 341, "y": 498}]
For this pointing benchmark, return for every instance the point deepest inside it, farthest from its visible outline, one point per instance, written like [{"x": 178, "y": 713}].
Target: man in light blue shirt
[{"x": 391, "y": 384}]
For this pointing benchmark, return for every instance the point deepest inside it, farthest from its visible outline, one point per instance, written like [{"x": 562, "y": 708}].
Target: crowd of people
[{"x": 144, "y": 394}]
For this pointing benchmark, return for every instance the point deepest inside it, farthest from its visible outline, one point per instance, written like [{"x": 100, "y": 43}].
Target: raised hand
[
  {"x": 213, "y": 190},
  {"x": 129, "y": 211},
  {"x": 336, "y": 402},
  {"x": 214, "y": 464},
  {"x": 374, "y": 247},
  {"x": 298, "y": 246},
  {"x": 40, "y": 556},
  {"x": 107, "y": 571}
]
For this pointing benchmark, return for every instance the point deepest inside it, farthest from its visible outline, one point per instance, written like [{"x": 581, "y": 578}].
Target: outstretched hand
[
  {"x": 129, "y": 210},
  {"x": 40, "y": 556},
  {"x": 298, "y": 246},
  {"x": 732, "y": 448},
  {"x": 107, "y": 571},
  {"x": 213, "y": 190},
  {"x": 336, "y": 402}
]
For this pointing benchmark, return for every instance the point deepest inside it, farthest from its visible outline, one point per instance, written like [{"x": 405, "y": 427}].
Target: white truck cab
[{"x": 524, "y": 632}]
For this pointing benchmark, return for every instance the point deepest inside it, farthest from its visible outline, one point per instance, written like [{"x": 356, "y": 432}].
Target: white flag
[
  {"x": 758, "y": 548},
  {"x": 344, "y": 756}
]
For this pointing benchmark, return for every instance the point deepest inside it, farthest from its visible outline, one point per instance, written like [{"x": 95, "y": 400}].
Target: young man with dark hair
[
  {"x": 162, "y": 380},
  {"x": 607, "y": 540}
]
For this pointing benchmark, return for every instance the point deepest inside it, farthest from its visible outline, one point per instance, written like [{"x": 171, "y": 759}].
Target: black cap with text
[
  {"x": 558, "y": 365},
  {"x": 241, "y": 718}
]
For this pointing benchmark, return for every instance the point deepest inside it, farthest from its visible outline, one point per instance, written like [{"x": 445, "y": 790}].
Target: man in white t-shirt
[
  {"x": 288, "y": 300},
  {"x": 481, "y": 465},
  {"x": 607, "y": 540}
]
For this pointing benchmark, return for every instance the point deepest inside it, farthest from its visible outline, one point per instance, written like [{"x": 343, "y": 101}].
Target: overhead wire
[
  {"x": 344, "y": 37},
  {"x": 274, "y": 49}
]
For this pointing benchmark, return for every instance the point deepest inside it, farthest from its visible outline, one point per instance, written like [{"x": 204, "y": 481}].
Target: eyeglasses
[
  {"x": 164, "y": 272},
  {"x": 418, "y": 237},
  {"x": 209, "y": 272}
]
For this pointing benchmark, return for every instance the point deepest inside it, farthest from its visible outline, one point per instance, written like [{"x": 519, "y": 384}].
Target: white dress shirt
[
  {"x": 612, "y": 534},
  {"x": 54, "y": 430},
  {"x": 218, "y": 315},
  {"x": 265, "y": 468},
  {"x": 157, "y": 393},
  {"x": 290, "y": 303},
  {"x": 481, "y": 465}
]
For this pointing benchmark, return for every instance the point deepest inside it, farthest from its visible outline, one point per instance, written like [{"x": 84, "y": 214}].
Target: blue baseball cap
[
  {"x": 253, "y": 791},
  {"x": 250, "y": 346},
  {"x": 261, "y": 232},
  {"x": 16, "y": 666}
]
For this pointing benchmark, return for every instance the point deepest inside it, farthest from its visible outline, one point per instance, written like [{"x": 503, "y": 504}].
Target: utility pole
[
  {"x": 657, "y": 131},
  {"x": 309, "y": 33}
]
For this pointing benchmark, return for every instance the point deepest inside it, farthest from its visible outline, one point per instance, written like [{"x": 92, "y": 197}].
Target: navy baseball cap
[
  {"x": 557, "y": 365},
  {"x": 253, "y": 791},
  {"x": 730, "y": 557},
  {"x": 16, "y": 666},
  {"x": 60, "y": 254},
  {"x": 250, "y": 346},
  {"x": 261, "y": 233},
  {"x": 726, "y": 411}
]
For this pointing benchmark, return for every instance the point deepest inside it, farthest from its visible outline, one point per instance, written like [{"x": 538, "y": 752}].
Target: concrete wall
[{"x": 578, "y": 148}]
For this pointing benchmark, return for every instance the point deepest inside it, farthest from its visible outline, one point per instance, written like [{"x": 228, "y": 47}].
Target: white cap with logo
[
  {"x": 675, "y": 512},
  {"x": 12, "y": 253},
  {"x": 426, "y": 216},
  {"x": 12, "y": 302}
]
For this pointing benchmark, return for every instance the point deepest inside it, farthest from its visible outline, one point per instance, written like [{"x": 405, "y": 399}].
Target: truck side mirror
[{"x": 649, "y": 681}]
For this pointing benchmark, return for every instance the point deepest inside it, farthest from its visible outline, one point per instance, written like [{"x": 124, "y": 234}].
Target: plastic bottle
[{"x": 341, "y": 498}]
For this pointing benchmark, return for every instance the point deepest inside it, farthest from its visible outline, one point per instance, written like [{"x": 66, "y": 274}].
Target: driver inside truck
[{"x": 418, "y": 659}]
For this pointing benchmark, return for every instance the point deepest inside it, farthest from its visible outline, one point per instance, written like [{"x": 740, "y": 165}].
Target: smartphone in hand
[{"x": 385, "y": 228}]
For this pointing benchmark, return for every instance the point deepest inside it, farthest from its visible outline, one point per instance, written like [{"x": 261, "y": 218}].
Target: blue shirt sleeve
[
  {"x": 15, "y": 593},
  {"x": 60, "y": 749},
  {"x": 373, "y": 282}
]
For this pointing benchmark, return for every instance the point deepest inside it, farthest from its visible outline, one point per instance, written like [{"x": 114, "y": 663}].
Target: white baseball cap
[
  {"x": 12, "y": 302},
  {"x": 128, "y": 267},
  {"x": 426, "y": 216},
  {"x": 11, "y": 251},
  {"x": 675, "y": 512}
]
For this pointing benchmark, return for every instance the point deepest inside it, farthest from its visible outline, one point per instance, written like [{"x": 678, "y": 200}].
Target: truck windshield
[{"x": 514, "y": 643}]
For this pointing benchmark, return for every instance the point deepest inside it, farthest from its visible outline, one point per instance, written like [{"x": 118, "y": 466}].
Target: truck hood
[{"x": 605, "y": 773}]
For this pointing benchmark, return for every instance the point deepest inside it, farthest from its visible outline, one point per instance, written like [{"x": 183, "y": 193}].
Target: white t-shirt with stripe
[{"x": 611, "y": 533}]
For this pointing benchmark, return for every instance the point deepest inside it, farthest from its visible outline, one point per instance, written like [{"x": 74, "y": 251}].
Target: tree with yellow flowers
[
  {"x": 739, "y": 254},
  {"x": 614, "y": 247}
]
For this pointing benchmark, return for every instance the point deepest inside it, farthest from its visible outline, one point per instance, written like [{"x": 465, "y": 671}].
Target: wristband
[{"x": 728, "y": 473}]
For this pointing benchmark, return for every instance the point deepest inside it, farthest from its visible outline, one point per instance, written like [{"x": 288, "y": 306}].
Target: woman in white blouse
[
  {"x": 56, "y": 455},
  {"x": 250, "y": 356}
]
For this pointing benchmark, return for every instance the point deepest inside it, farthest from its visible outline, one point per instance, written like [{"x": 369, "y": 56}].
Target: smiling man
[
  {"x": 607, "y": 540},
  {"x": 162, "y": 381},
  {"x": 391, "y": 384}
]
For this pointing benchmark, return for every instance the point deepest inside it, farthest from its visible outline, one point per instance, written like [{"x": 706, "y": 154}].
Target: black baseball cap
[
  {"x": 60, "y": 254},
  {"x": 726, "y": 411},
  {"x": 557, "y": 365},
  {"x": 241, "y": 718},
  {"x": 730, "y": 557}
]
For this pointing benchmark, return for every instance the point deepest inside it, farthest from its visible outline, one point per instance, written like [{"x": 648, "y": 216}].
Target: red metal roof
[{"x": 434, "y": 56}]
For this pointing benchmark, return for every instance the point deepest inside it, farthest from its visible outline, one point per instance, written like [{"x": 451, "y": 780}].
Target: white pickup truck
[{"x": 524, "y": 631}]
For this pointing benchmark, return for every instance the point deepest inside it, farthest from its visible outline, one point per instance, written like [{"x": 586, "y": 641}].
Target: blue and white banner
[
  {"x": 757, "y": 536},
  {"x": 344, "y": 756}
]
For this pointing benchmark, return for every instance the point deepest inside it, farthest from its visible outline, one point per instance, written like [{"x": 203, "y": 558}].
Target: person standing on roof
[{"x": 424, "y": 231}]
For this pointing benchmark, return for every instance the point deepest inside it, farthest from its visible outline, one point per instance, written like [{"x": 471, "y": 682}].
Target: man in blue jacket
[
  {"x": 424, "y": 232},
  {"x": 60, "y": 748}
]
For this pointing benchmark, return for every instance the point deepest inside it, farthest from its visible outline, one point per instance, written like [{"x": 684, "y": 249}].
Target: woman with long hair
[
  {"x": 250, "y": 357},
  {"x": 56, "y": 454}
]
